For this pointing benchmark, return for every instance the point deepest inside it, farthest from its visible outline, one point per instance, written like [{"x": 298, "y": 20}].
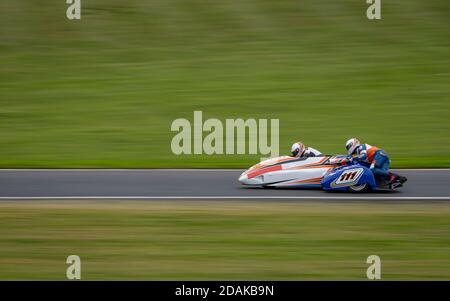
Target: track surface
[{"x": 188, "y": 183}]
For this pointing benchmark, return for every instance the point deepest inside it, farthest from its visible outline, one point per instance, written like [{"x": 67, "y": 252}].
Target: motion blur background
[{"x": 102, "y": 91}]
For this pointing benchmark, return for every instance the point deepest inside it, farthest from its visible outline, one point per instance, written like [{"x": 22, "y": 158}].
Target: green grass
[
  {"x": 103, "y": 91},
  {"x": 224, "y": 240}
]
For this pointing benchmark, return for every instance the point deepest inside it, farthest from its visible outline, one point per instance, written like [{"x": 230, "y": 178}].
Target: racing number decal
[{"x": 349, "y": 177}]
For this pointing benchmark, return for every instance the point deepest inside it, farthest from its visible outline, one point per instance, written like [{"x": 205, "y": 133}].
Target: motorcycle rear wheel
[{"x": 359, "y": 188}]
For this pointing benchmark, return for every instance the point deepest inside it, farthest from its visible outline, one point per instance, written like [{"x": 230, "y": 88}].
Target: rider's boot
[
  {"x": 393, "y": 177},
  {"x": 402, "y": 179}
]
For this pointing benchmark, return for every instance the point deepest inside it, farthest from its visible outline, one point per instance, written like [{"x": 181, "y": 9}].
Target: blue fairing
[{"x": 343, "y": 177}]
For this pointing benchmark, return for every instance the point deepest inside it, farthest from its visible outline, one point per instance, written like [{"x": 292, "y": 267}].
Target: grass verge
[{"x": 224, "y": 240}]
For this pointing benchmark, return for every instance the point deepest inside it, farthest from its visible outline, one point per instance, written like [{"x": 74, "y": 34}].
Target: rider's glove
[{"x": 346, "y": 161}]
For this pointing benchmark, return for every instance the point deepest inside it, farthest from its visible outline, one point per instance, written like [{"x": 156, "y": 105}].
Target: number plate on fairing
[{"x": 349, "y": 177}]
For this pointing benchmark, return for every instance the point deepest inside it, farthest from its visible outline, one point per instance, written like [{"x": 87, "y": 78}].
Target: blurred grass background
[
  {"x": 119, "y": 240},
  {"x": 103, "y": 91}
]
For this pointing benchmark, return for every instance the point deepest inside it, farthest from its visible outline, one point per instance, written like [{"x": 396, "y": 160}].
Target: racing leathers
[
  {"x": 377, "y": 158},
  {"x": 311, "y": 152}
]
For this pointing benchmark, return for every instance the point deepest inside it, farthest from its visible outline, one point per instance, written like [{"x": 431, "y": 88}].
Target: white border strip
[
  {"x": 226, "y": 198},
  {"x": 175, "y": 169},
  {"x": 121, "y": 169}
]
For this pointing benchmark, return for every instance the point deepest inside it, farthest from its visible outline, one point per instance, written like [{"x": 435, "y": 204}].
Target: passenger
[{"x": 299, "y": 150}]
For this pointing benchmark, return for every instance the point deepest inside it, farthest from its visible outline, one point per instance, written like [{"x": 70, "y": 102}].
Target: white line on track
[{"x": 225, "y": 198}]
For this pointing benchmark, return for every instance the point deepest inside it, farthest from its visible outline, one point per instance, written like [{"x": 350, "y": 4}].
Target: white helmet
[
  {"x": 297, "y": 149},
  {"x": 351, "y": 145}
]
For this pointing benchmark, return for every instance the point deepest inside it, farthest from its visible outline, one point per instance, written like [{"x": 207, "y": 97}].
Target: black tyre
[{"x": 359, "y": 188}]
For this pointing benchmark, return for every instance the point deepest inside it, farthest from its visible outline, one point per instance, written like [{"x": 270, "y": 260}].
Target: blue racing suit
[{"x": 377, "y": 158}]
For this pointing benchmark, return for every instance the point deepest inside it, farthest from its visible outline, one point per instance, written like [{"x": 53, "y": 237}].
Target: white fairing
[
  {"x": 296, "y": 177},
  {"x": 287, "y": 172}
]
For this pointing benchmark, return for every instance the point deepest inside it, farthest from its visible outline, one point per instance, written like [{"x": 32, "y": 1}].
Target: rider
[
  {"x": 377, "y": 158},
  {"x": 299, "y": 149}
]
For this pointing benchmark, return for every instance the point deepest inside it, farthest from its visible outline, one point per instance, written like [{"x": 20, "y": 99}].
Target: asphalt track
[{"x": 190, "y": 184}]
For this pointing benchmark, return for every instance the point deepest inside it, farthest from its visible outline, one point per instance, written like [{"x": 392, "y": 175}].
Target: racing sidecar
[{"x": 327, "y": 172}]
